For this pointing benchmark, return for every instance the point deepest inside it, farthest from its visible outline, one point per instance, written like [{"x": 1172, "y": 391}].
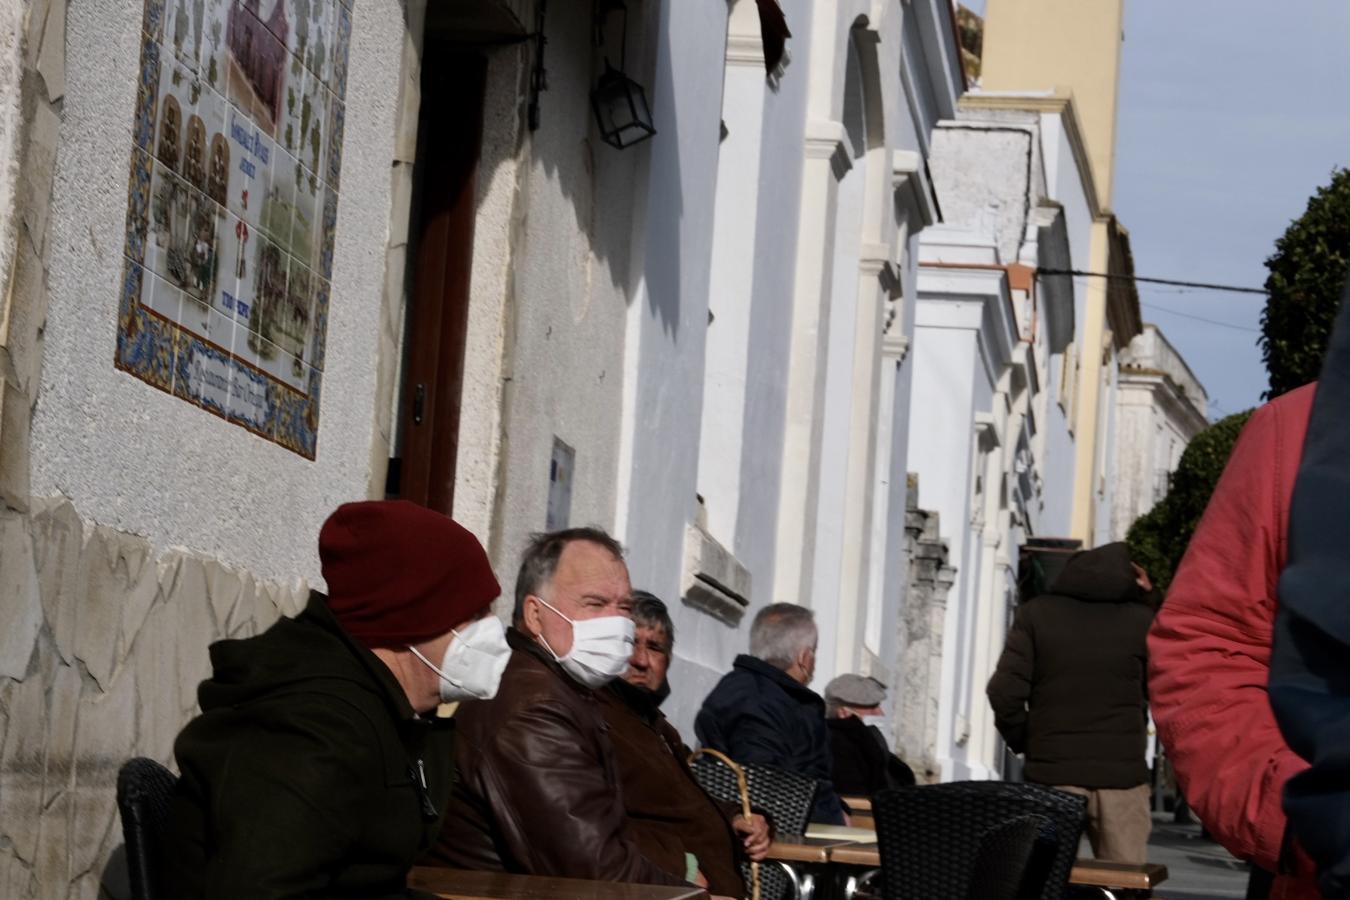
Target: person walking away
[{"x": 1069, "y": 692}]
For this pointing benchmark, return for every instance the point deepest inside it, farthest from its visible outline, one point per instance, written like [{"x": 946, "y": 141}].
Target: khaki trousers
[{"x": 1119, "y": 821}]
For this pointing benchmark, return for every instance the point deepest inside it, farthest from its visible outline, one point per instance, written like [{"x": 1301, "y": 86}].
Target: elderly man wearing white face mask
[
  {"x": 538, "y": 789},
  {"x": 316, "y": 767}
]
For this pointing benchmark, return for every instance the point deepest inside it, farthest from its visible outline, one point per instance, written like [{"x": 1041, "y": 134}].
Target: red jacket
[{"x": 1209, "y": 649}]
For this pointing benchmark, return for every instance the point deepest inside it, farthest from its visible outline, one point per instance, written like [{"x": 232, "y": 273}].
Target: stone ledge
[{"x": 714, "y": 581}]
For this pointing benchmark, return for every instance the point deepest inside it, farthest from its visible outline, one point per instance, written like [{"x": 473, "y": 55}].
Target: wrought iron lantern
[{"x": 620, "y": 104}]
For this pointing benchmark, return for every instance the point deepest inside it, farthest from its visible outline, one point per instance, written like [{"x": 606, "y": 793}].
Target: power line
[
  {"x": 1202, "y": 285},
  {"x": 1173, "y": 312}
]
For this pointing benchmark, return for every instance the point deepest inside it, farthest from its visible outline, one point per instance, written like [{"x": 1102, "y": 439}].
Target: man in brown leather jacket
[
  {"x": 539, "y": 788},
  {"x": 673, "y": 821}
]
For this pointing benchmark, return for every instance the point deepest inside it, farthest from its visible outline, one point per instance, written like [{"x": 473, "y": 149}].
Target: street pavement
[{"x": 1198, "y": 868}]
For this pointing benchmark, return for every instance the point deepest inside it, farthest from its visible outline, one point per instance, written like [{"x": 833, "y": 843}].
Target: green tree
[
  {"x": 1158, "y": 539},
  {"x": 1307, "y": 272}
]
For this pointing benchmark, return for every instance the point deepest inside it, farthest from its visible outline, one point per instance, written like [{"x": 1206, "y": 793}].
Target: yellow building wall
[
  {"x": 1033, "y": 46},
  {"x": 1039, "y": 45}
]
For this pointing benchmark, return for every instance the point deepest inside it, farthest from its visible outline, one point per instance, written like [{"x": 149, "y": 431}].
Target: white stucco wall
[
  {"x": 1057, "y": 493},
  {"x": 667, "y": 323},
  {"x": 777, "y": 115},
  {"x": 1106, "y": 474},
  {"x": 940, "y": 450},
  {"x": 137, "y": 459},
  {"x": 499, "y": 170},
  {"x": 566, "y": 295},
  {"x": 779, "y": 204}
]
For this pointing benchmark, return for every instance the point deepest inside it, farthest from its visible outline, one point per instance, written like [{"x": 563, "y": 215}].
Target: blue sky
[{"x": 1232, "y": 112}]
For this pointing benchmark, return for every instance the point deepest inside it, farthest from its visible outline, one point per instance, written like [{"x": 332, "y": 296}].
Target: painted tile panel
[{"x": 232, "y": 208}]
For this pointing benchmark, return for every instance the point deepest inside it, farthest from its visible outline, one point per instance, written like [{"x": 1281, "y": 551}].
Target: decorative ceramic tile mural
[{"x": 232, "y": 207}]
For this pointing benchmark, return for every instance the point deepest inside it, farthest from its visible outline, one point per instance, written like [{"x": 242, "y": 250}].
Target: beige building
[{"x": 1065, "y": 47}]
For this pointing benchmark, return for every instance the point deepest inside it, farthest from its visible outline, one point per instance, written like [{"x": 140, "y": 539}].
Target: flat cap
[{"x": 855, "y": 690}]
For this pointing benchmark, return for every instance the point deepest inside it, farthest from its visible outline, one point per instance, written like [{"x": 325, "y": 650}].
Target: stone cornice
[
  {"x": 827, "y": 139},
  {"x": 745, "y": 50},
  {"x": 909, "y": 180},
  {"x": 1166, "y": 392}
]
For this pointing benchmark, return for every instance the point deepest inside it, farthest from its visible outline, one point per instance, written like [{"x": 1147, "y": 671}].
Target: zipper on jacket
[{"x": 418, "y": 774}]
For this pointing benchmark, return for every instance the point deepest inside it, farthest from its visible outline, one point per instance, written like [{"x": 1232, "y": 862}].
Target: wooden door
[{"x": 449, "y": 138}]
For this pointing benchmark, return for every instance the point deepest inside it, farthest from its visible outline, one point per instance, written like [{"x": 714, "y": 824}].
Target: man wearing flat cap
[
  {"x": 863, "y": 763},
  {"x": 315, "y": 769}
]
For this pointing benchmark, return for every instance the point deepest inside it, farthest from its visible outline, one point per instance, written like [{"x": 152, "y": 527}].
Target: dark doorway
[{"x": 450, "y": 129}]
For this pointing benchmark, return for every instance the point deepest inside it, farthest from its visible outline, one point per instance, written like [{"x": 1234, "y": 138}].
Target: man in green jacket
[{"x": 315, "y": 769}]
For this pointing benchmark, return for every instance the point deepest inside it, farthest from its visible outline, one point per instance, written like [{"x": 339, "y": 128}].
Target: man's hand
[{"x": 755, "y": 831}]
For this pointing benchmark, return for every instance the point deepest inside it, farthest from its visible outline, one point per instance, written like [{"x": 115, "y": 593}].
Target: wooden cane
[{"x": 744, "y": 790}]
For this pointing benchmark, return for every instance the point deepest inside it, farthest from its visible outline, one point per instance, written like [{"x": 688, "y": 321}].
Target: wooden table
[
  {"x": 860, "y": 811},
  {"x": 867, "y": 855},
  {"x": 1117, "y": 876},
  {"x": 462, "y": 885},
  {"x": 795, "y": 848}
]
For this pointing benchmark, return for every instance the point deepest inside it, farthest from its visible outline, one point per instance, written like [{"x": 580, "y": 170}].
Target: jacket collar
[
  {"x": 384, "y": 681},
  {"x": 522, "y": 643},
  {"x": 755, "y": 666},
  {"x": 646, "y": 704}
]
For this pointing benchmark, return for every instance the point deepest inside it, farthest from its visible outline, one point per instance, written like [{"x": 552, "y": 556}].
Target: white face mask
[
  {"x": 874, "y": 721},
  {"x": 474, "y": 661},
  {"x": 600, "y": 650}
]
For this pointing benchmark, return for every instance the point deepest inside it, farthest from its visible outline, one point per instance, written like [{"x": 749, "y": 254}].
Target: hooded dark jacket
[
  {"x": 1070, "y": 689},
  {"x": 759, "y": 714},
  {"x": 303, "y": 776}
]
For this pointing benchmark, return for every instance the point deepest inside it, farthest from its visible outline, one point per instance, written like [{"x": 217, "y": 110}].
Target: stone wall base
[{"x": 103, "y": 645}]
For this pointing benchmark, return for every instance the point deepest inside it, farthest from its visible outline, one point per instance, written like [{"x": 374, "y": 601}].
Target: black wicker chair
[
  {"x": 785, "y": 797},
  {"x": 1012, "y": 860},
  {"x": 143, "y": 791},
  {"x": 931, "y": 838}
]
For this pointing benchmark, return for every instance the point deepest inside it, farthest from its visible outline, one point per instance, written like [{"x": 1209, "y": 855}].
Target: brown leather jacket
[
  {"x": 539, "y": 790},
  {"x": 668, "y": 812}
]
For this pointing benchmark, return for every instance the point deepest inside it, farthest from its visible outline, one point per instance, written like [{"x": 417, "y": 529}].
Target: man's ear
[{"x": 530, "y": 617}]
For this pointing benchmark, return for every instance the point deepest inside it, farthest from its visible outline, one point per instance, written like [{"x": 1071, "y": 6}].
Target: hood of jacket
[
  {"x": 645, "y": 703},
  {"x": 293, "y": 654},
  {"x": 1103, "y": 575}
]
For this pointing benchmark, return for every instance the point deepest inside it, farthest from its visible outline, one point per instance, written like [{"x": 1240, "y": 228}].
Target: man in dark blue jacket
[
  {"x": 1309, "y": 676},
  {"x": 763, "y": 712}
]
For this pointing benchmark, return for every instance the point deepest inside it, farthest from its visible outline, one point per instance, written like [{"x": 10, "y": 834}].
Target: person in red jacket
[{"x": 1209, "y": 651}]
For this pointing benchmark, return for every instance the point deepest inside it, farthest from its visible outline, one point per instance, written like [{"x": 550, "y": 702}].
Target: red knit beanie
[{"x": 400, "y": 574}]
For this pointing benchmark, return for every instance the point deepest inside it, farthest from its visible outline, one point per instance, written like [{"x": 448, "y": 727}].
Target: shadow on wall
[
  {"x": 664, "y": 207},
  {"x": 579, "y": 203}
]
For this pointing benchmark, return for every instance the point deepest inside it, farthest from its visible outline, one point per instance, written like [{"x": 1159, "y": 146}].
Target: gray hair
[
  {"x": 650, "y": 611},
  {"x": 780, "y": 632},
  {"x": 540, "y": 560}
]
